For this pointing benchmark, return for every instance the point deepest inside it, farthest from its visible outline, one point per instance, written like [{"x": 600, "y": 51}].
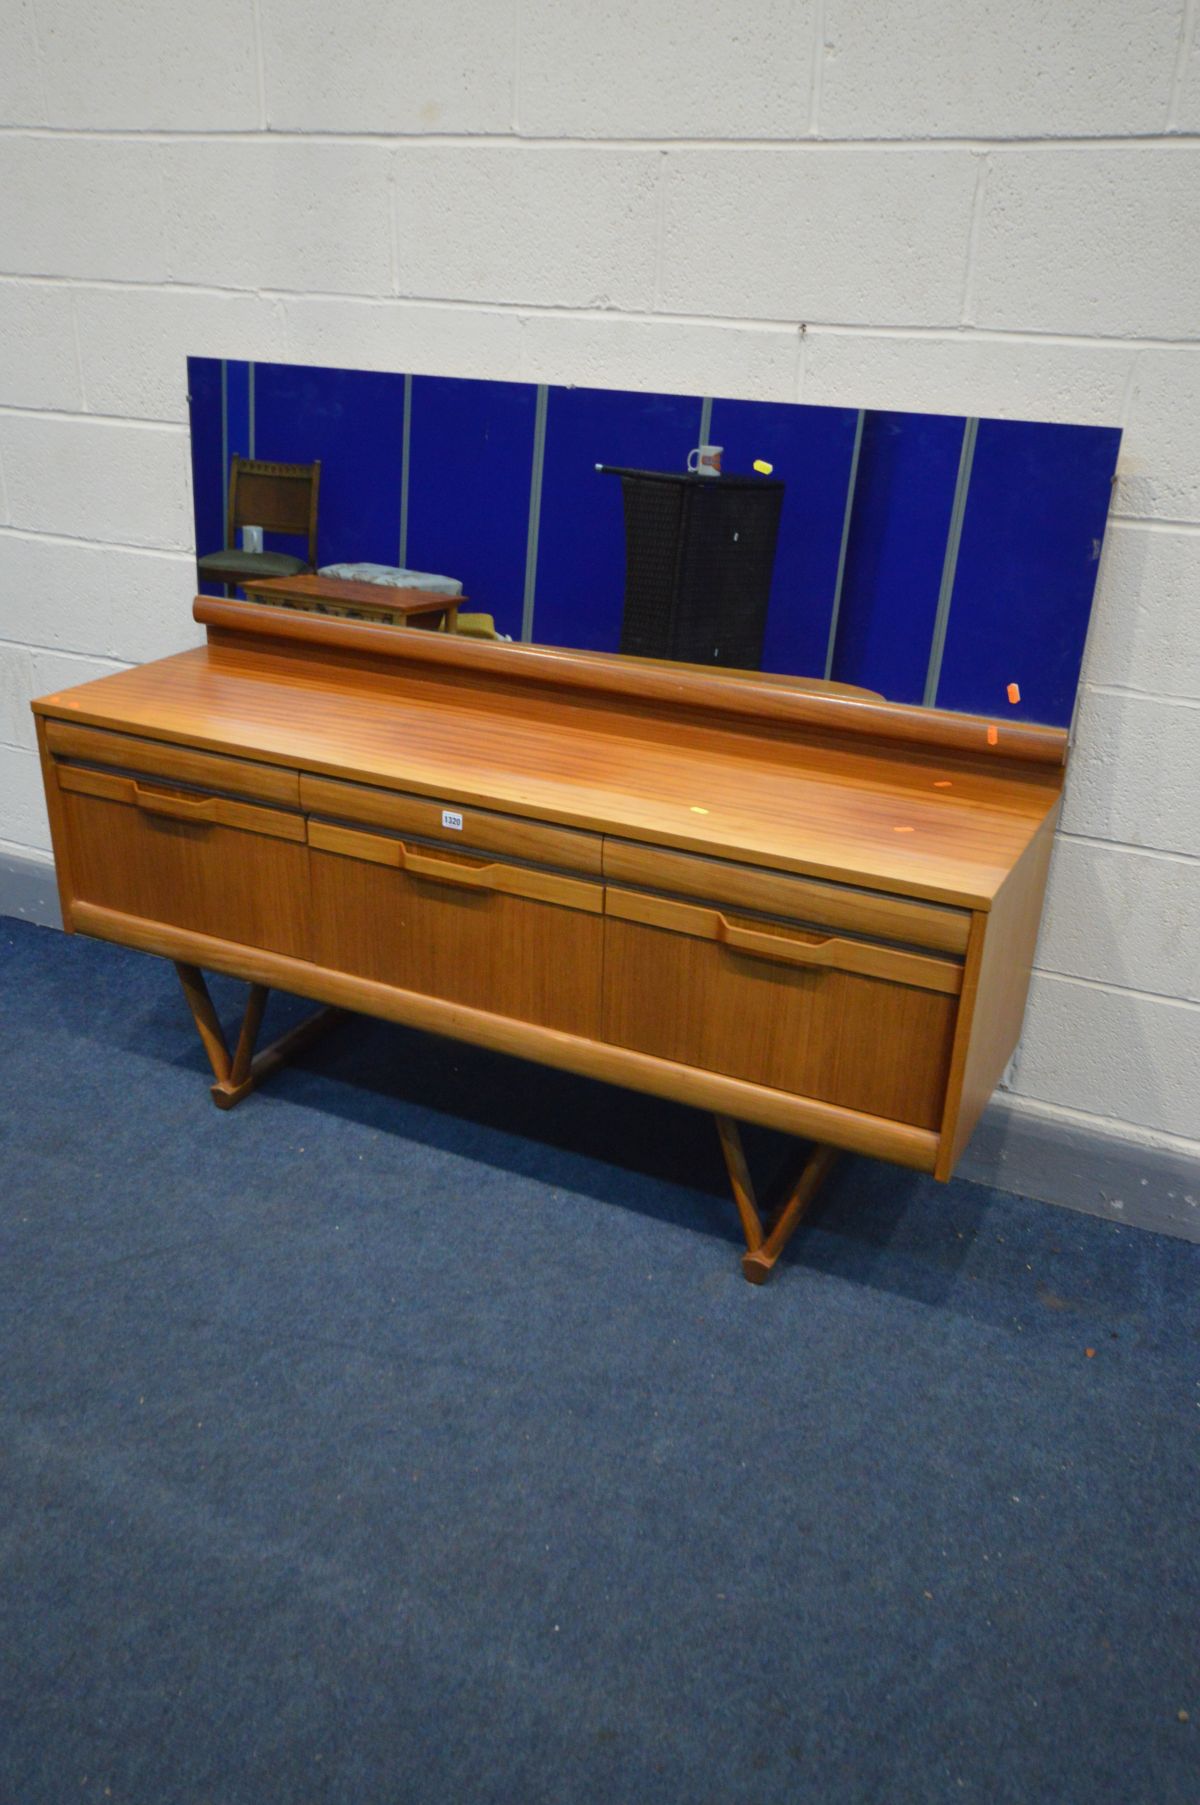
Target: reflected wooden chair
[{"x": 280, "y": 498}]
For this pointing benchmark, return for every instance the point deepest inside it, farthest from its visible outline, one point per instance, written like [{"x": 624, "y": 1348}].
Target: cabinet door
[
  {"x": 824, "y": 1015},
  {"x": 512, "y": 939},
  {"x": 187, "y": 858}
]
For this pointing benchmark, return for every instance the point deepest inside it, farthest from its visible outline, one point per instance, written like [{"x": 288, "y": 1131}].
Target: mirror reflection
[{"x": 925, "y": 558}]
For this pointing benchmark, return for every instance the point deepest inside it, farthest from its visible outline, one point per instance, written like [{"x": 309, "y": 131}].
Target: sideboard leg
[
  {"x": 236, "y": 1077},
  {"x": 205, "y": 1017},
  {"x": 740, "y": 1181},
  {"x": 764, "y": 1245},
  {"x": 263, "y": 1065},
  {"x": 757, "y": 1264}
]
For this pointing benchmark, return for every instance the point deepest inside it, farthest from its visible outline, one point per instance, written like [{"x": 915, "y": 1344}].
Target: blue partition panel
[
  {"x": 239, "y": 439},
  {"x": 470, "y": 460},
  {"x": 581, "y": 544},
  {"x": 208, "y": 474},
  {"x": 811, "y": 449},
  {"x": 903, "y": 498},
  {"x": 353, "y": 420},
  {"x": 227, "y": 436},
  {"x": 1027, "y": 563},
  {"x": 1027, "y": 508}
]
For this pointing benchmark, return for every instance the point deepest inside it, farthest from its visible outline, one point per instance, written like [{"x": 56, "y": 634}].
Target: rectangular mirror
[{"x": 926, "y": 558}]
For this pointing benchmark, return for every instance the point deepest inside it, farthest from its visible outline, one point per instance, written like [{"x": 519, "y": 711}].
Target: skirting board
[
  {"x": 1085, "y": 1168},
  {"x": 1079, "y": 1167},
  {"x": 28, "y": 889}
]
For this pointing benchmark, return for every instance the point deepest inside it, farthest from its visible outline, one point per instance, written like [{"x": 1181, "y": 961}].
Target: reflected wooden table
[{"x": 374, "y": 602}]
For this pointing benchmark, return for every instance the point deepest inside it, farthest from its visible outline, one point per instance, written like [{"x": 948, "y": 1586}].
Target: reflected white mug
[{"x": 708, "y": 460}]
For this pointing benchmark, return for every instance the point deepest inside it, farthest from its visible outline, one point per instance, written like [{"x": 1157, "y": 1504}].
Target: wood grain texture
[
  {"x": 508, "y": 954},
  {"x": 740, "y": 1181},
  {"x": 766, "y": 907},
  {"x": 511, "y": 834},
  {"x": 643, "y": 681},
  {"x": 710, "y": 1091},
  {"x": 201, "y": 875},
  {"x": 995, "y": 986},
  {"x": 940, "y": 832},
  {"x": 460, "y": 869},
  {"x": 122, "y": 752},
  {"x": 784, "y": 943},
  {"x": 636, "y": 662},
  {"x": 208, "y": 1024},
  {"x": 750, "y": 887},
  {"x": 865, "y": 1044},
  {"x": 59, "y": 838},
  {"x": 180, "y": 804}
]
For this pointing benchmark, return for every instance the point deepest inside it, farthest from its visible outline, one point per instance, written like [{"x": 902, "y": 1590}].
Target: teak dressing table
[{"x": 806, "y": 910}]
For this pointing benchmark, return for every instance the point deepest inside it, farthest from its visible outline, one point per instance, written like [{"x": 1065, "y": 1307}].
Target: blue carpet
[{"x": 409, "y": 1434}]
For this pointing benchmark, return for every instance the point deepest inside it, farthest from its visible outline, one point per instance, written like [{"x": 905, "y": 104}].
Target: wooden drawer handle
[
  {"x": 710, "y": 924},
  {"x": 203, "y": 811},
  {"x": 774, "y": 946},
  {"x": 832, "y": 952},
  {"x": 445, "y": 871},
  {"x": 493, "y": 877},
  {"x": 179, "y": 808},
  {"x": 506, "y": 880}
]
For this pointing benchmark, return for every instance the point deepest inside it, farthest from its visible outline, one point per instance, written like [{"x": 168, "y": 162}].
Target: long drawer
[
  {"x": 897, "y": 918},
  {"x": 782, "y": 943},
  {"x": 865, "y": 1043},
  {"x": 514, "y": 939},
  {"x": 447, "y": 821},
  {"x": 814, "y": 989},
  {"x": 183, "y": 764},
  {"x": 192, "y": 859}
]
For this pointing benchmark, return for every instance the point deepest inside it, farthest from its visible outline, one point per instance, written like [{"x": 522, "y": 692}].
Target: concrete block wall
[{"x": 945, "y": 206}]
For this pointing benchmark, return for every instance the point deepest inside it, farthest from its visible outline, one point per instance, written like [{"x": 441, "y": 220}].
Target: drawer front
[
  {"x": 783, "y": 943},
  {"x": 205, "y": 863},
  {"x": 514, "y": 940},
  {"x": 771, "y": 1004},
  {"x": 895, "y": 918},
  {"x": 183, "y": 764},
  {"x": 536, "y": 841}
]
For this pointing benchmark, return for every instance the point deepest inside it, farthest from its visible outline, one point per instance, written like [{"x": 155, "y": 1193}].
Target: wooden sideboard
[{"x": 812, "y": 911}]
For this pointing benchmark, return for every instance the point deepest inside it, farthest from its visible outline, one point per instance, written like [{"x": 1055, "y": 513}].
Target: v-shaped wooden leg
[
  {"x": 236, "y": 1077},
  {"x": 765, "y": 1244}
]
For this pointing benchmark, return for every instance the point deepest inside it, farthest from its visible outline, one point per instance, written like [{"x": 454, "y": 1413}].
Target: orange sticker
[
  {"x": 1014, "y": 693},
  {"x": 903, "y": 830},
  {"x": 942, "y": 783},
  {"x": 993, "y": 736}
]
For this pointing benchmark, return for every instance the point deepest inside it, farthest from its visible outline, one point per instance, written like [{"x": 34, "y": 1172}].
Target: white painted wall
[{"x": 944, "y": 205}]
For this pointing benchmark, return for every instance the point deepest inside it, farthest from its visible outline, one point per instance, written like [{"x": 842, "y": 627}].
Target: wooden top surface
[
  {"x": 914, "y": 824},
  {"x": 310, "y": 587}
]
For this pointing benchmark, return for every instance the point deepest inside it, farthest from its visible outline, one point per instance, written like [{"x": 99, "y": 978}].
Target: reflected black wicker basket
[{"x": 699, "y": 554}]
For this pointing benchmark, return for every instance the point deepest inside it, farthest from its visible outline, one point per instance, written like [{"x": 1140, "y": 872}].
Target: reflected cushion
[
  {"x": 250, "y": 564},
  {"x": 392, "y": 576}
]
